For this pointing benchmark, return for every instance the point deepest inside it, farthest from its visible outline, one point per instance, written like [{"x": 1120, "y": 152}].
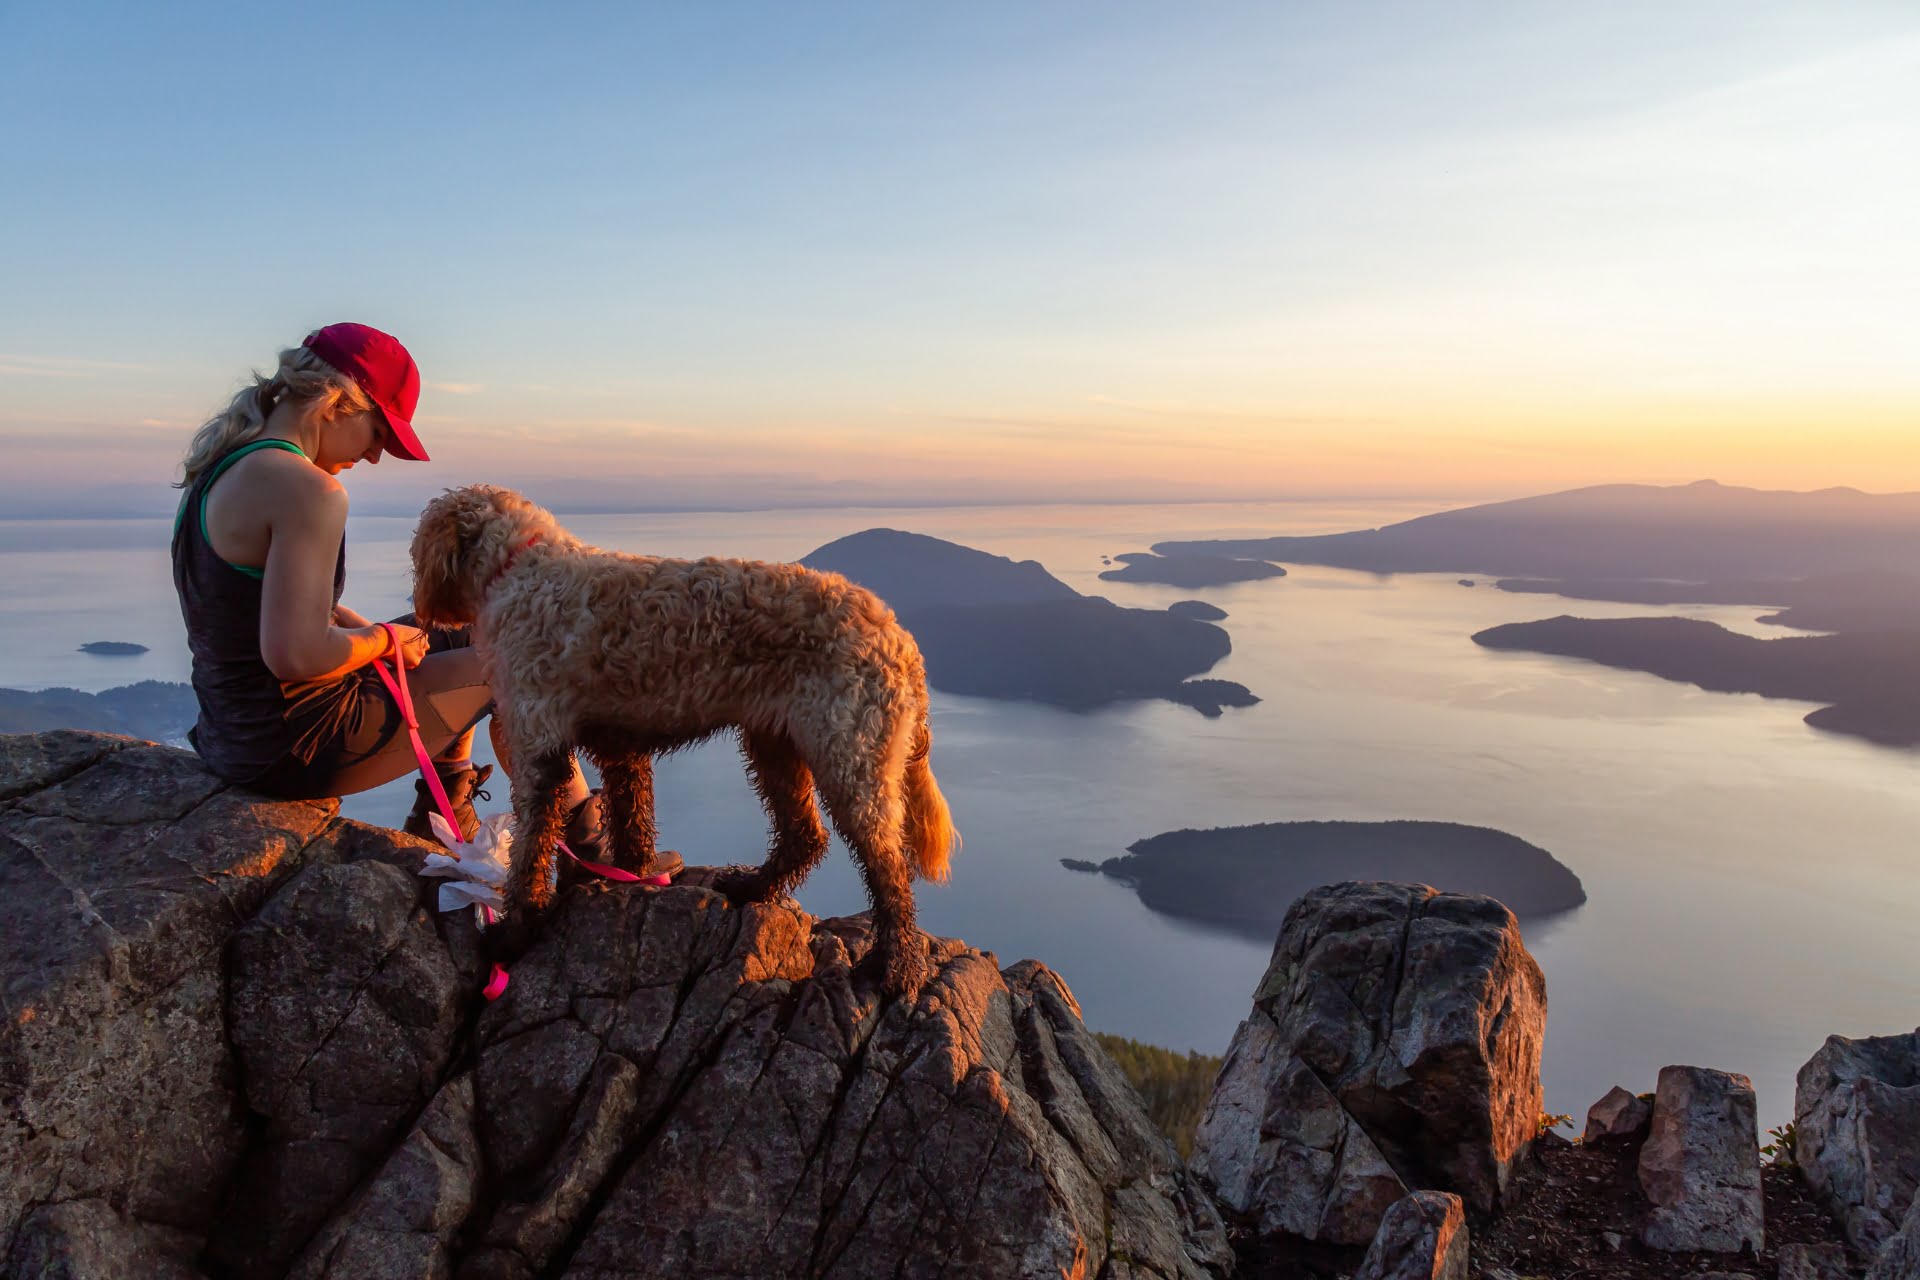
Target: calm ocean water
[{"x": 1752, "y": 884}]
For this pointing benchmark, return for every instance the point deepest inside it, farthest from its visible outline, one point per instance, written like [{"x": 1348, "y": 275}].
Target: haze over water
[{"x": 1750, "y": 880}]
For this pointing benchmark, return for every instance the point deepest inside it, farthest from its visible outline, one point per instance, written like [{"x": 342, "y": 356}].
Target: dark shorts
[{"x": 371, "y": 746}]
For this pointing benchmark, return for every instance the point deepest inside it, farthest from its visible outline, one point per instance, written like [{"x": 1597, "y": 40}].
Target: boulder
[
  {"x": 1856, "y": 1114},
  {"x": 1394, "y": 1045},
  {"x": 1899, "y": 1257},
  {"x": 1700, "y": 1165},
  {"x": 1422, "y": 1237},
  {"x": 124, "y": 866},
  {"x": 1618, "y": 1115}
]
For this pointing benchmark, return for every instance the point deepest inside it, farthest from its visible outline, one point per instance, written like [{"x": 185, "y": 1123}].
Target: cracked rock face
[
  {"x": 1856, "y": 1112},
  {"x": 238, "y": 1043},
  {"x": 1394, "y": 1044}
]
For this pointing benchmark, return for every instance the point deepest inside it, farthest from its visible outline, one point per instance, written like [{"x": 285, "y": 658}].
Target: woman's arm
[{"x": 299, "y": 635}]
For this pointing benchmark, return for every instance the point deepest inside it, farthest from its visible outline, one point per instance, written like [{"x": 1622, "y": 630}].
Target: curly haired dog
[{"x": 624, "y": 656}]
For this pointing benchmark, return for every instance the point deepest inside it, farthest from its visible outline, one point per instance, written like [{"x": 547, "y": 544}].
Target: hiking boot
[
  {"x": 463, "y": 783},
  {"x": 586, "y": 834}
]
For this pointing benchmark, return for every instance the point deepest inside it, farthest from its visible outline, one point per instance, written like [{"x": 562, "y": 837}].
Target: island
[
  {"x": 1199, "y": 610},
  {"x": 1871, "y": 679},
  {"x": 1698, "y": 532},
  {"x": 1243, "y": 879},
  {"x": 113, "y": 648},
  {"x": 1189, "y": 570},
  {"x": 161, "y": 711},
  {"x": 992, "y": 627}
]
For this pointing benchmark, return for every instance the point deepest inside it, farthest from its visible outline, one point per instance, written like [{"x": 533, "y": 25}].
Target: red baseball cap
[{"x": 383, "y": 369}]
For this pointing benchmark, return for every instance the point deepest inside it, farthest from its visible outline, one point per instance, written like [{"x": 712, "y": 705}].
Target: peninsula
[
  {"x": 991, "y": 627},
  {"x": 1870, "y": 678}
]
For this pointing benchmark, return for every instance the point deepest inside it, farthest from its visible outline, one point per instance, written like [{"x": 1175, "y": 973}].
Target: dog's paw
[
  {"x": 743, "y": 885},
  {"x": 901, "y": 970},
  {"x": 507, "y": 939}
]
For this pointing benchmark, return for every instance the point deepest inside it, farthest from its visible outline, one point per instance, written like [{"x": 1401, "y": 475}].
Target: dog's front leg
[{"x": 539, "y": 810}]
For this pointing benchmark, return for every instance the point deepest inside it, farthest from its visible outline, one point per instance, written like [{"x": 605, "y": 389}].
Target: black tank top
[{"x": 249, "y": 719}]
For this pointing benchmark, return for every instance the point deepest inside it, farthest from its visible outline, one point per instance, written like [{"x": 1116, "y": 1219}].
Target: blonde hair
[{"x": 301, "y": 377}]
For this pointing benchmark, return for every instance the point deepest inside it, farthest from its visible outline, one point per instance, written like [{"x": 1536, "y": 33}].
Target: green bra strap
[{"x": 285, "y": 445}]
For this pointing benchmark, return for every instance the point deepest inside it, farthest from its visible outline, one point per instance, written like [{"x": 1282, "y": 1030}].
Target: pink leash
[{"x": 396, "y": 682}]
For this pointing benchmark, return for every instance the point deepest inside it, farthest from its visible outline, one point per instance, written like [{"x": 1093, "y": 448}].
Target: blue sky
[{"x": 730, "y": 254}]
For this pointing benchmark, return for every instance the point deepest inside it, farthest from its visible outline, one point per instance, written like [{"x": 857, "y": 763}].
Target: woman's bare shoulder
[{"x": 285, "y": 488}]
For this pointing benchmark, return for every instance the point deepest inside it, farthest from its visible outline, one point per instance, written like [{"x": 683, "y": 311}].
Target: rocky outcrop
[
  {"x": 1700, "y": 1165},
  {"x": 124, "y": 868},
  {"x": 236, "y": 1036},
  {"x": 1618, "y": 1115},
  {"x": 1394, "y": 1045},
  {"x": 1857, "y": 1132},
  {"x": 1423, "y": 1237}
]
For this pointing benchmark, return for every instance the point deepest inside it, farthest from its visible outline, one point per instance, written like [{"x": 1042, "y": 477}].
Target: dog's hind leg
[
  {"x": 799, "y": 843},
  {"x": 868, "y": 815},
  {"x": 627, "y": 792}
]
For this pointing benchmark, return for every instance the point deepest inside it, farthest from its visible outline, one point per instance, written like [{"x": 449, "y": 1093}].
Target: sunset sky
[{"x": 733, "y": 254}]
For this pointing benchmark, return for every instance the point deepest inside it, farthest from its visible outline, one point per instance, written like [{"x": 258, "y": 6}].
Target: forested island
[
  {"x": 1244, "y": 878},
  {"x": 992, "y": 627},
  {"x": 1190, "y": 570}
]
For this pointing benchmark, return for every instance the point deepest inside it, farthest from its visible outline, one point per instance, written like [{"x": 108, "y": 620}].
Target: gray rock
[
  {"x": 1394, "y": 1044},
  {"x": 90, "y": 1240},
  {"x": 1856, "y": 1111},
  {"x": 1422, "y": 1237},
  {"x": 1618, "y": 1115},
  {"x": 401, "y": 1225},
  {"x": 1899, "y": 1257},
  {"x": 344, "y": 1005},
  {"x": 736, "y": 1106},
  {"x": 1700, "y": 1165},
  {"x": 1813, "y": 1262},
  {"x": 125, "y": 866}
]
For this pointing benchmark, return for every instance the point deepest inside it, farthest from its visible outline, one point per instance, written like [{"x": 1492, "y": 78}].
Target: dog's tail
[{"x": 930, "y": 834}]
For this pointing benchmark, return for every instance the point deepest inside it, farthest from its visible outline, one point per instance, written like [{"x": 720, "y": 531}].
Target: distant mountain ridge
[{"x": 1698, "y": 531}]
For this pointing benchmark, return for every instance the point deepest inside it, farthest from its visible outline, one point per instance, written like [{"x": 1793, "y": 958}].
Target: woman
[{"x": 290, "y": 704}]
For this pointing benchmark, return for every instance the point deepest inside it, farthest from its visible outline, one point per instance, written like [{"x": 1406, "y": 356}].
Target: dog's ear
[{"x": 441, "y": 595}]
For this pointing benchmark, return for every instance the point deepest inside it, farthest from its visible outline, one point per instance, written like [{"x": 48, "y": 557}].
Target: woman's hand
[
  {"x": 412, "y": 644},
  {"x": 345, "y": 617}
]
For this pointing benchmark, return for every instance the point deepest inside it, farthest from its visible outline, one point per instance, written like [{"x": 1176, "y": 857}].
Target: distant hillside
[
  {"x": 991, "y": 627},
  {"x": 152, "y": 709},
  {"x": 909, "y": 570},
  {"x": 1831, "y": 602},
  {"x": 1245, "y": 878},
  {"x": 1872, "y": 678},
  {"x": 1698, "y": 532}
]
